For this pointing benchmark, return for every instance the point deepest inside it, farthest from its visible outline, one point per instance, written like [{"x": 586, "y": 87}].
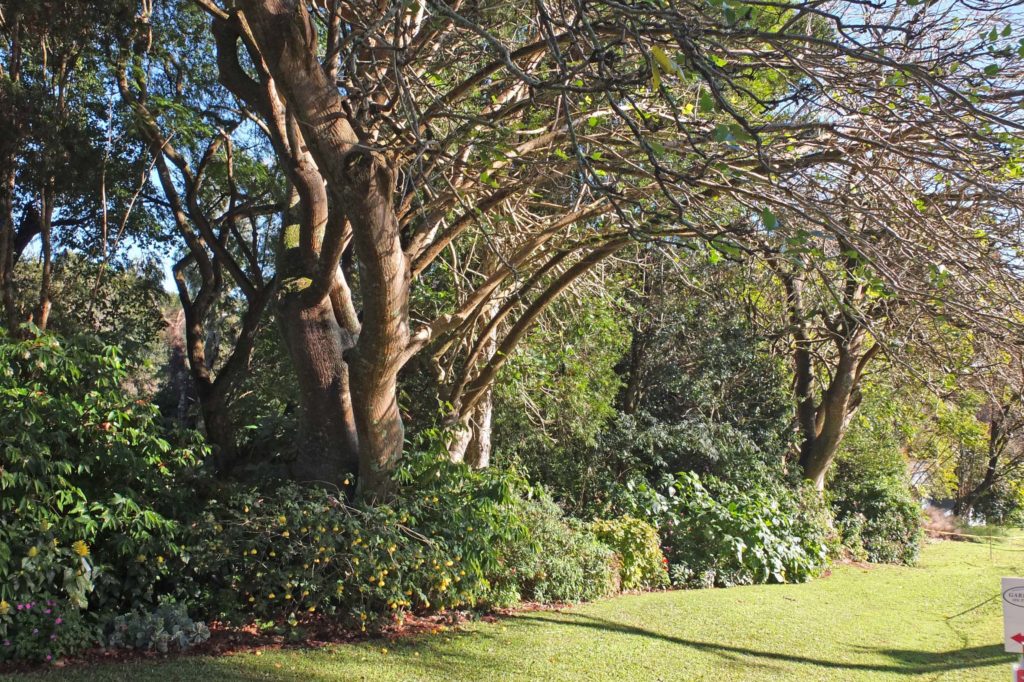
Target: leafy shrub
[
  {"x": 636, "y": 544},
  {"x": 284, "y": 554},
  {"x": 720, "y": 536},
  {"x": 877, "y": 515},
  {"x": 558, "y": 559},
  {"x": 163, "y": 629},
  {"x": 43, "y": 631},
  {"x": 86, "y": 479},
  {"x": 869, "y": 487}
]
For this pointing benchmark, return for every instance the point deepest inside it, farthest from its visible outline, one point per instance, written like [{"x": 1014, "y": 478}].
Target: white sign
[{"x": 1013, "y": 615}]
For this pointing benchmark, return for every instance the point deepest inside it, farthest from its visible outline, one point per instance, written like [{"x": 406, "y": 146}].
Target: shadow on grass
[{"x": 905, "y": 661}]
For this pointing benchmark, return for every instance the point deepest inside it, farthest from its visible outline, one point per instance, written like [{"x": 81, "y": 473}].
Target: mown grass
[{"x": 940, "y": 620}]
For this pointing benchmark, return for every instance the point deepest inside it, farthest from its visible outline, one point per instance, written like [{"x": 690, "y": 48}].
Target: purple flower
[
  {"x": 7, "y": 642},
  {"x": 35, "y": 631},
  {"x": 58, "y": 621},
  {"x": 49, "y": 602},
  {"x": 21, "y": 606},
  {"x": 49, "y": 658},
  {"x": 53, "y": 636},
  {"x": 47, "y": 611}
]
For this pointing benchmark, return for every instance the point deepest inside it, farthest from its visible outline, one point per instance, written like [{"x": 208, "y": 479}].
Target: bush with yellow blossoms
[{"x": 297, "y": 552}]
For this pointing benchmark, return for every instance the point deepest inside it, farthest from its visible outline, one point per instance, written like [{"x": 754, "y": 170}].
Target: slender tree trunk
[
  {"x": 7, "y": 245},
  {"x": 42, "y": 315},
  {"x": 478, "y": 454},
  {"x": 472, "y": 441},
  {"x": 965, "y": 502},
  {"x": 366, "y": 188}
]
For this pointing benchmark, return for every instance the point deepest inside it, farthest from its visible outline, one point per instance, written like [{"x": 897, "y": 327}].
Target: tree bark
[{"x": 328, "y": 445}]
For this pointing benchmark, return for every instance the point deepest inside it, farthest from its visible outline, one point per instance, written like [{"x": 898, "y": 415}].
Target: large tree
[{"x": 510, "y": 149}]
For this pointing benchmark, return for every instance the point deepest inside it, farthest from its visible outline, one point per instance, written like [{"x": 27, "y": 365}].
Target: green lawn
[{"x": 938, "y": 621}]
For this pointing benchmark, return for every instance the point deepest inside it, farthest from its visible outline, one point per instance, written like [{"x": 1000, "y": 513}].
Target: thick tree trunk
[
  {"x": 328, "y": 447},
  {"x": 219, "y": 427},
  {"x": 833, "y": 416},
  {"x": 380, "y": 352}
]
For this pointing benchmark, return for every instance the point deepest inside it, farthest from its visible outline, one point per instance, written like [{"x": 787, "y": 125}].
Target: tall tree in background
[{"x": 69, "y": 175}]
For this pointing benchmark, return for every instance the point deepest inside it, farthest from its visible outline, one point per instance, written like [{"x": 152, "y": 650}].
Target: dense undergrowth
[{"x": 112, "y": 533}]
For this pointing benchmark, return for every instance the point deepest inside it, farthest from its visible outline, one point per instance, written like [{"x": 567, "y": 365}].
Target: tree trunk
[
  {"x": 478, "y": 454},
  {"x": 472, "y": 441},
  {"x": 7, "y": 245},
  {"x": 366, "y": 187},
  {"x": 328, "y": 445},
  {"x": 965, "y": 502},
  {"x": 833, "y": 416},
  {"x": 42, "y": 314}
]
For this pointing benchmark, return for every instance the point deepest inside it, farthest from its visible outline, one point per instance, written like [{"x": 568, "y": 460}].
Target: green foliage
[
  {"x": 87, "y": 481},
  {"x": 120, "y": 304},
  {"x": 558, "y": 559},
  {"x": 1002, "y": 504},
  {"x": 560, "y": 387},
  {"x": 42, "y": 630},
  {"x": 163, "y": 629},
  {"x": 869, "y": 487},
  {"x": 876, "y": 514},
  {"x": 720, "y": 535},
  {"x": 608, "y": 478},
  {"x": 282, "y": 555},
  {"x": 700, "y": 391},
  {"x": 636, "y": 545}
]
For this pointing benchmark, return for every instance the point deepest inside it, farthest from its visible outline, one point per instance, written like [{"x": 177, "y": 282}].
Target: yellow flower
[
  {"x": 270, "y": 596},
  {"x": 33, "y": 552},
  {"x": 159, "y": 559},
  {"x": 282, "y": 520},
  {"x": 285, "y": 534},
  {"x": 81, "y": 549},
  {"x": 4, "y": 608}
]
